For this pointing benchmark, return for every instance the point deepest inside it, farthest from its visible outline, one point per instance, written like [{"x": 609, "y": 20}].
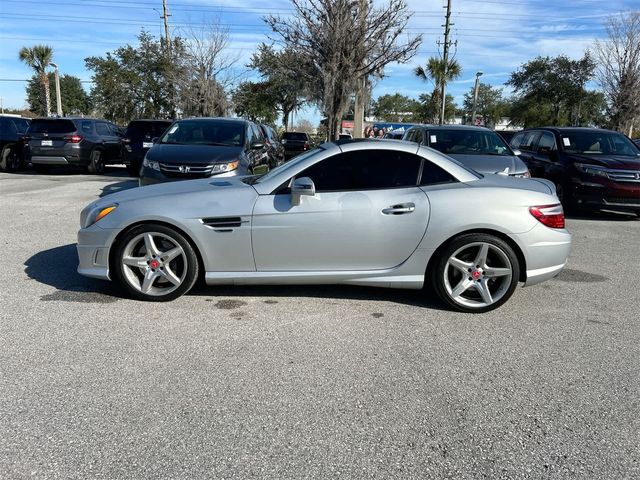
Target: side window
[
  {"x": 419, "y": 136},
  {"x": 115, "y": 131},
  {"x": 11, "y": 127},
  {"x": 364, "y": 170},
  {"x": 22, "y": 125},
  {"x": 102, "y": 129},
  {"x": 432, "y": 174},
  {"x": 528, "y": 141},
  {"x": 410, "y": 135},
  {"x": 547, "y": 142},
  {"x": 86, "y": 127},
  {"x": 516, "y": 140}
]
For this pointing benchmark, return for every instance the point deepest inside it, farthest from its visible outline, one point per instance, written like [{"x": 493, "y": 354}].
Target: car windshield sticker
[
  {"x": 433, "y": 139},
  {"x": 566, "y": 142}
]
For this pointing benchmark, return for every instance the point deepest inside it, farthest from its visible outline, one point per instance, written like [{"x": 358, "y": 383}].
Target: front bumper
[
  {"x": 546, "y": 251},
  {"x": 93, "y": 251},
  {"x": 149, "y": 176},
  {"x": 605, "y": 194}
]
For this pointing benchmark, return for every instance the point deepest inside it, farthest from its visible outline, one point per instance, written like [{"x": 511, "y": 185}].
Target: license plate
[
  {"x": 147, "y": 144},
  {"x": 46, "y": 143}
]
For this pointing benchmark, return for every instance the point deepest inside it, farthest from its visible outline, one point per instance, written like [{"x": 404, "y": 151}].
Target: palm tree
[
  {"x": 39, "y": 57},
  {"x": 439, "y": 74}
]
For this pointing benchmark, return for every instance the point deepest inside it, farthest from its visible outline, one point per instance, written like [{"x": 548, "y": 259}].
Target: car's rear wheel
[
  {"x": 96, "y": 163},
  {"x": 10, "y": 161},
  {"x": 155, "y": 263},
  {"x": 476, "y": 273}
]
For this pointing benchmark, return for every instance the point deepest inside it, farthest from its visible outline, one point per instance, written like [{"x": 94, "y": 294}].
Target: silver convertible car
[{"x": 373, "y": 212}]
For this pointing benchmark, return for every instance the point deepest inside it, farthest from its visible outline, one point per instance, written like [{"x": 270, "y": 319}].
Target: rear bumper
[
  {"x": 545, "y": 250},
  {"x": 48, "y": 160}
]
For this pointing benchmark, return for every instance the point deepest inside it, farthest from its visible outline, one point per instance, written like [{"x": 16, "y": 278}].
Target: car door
[
  {"x": 367, "y": 214},
  {"x": 526, "y": 145},
  {"x": 106, "y": 140},
  {"x": 544, "y": 156},
  {"x": 116, "y": 140}
]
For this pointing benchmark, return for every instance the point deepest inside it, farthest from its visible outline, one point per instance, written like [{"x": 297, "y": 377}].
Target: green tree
[
  {"x": 38, "y": 58},
  {"x": 440, "y": 74},
  {"x": 428, "y": 108},
  {"x": 395, "y": 108},
  {"x": 255, "y": 101},
  {"x": 75, "y": 101},
  {"x": 134, "y": 82},
  {"x": 547, "y": 90},
  {"x": 491, "y": 106}
]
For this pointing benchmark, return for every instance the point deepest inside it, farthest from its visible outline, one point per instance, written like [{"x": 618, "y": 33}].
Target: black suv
[
  {"x": 203, "y": 147},
  {"x": 138, "y": 138},
  {"x": 274, "y": 147},
  {"x": 590, "y": 167},
  {"x": 295, "y": 143},
  {"x": 12, "y": 132},
  {"x": 73, "y": 141}
]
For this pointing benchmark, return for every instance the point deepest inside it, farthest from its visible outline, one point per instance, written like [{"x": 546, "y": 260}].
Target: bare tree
[
  {"x": 206, "y": 71},
  {"x": 618, "y": 69},
  {"x": 343, "y": 42}
]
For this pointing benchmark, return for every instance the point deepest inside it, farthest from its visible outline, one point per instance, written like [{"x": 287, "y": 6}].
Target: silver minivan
[{"x": 478, "y": 148}]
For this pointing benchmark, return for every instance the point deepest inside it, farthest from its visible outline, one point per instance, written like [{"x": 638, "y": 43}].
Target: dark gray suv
[{"x": 83, "y": 142}]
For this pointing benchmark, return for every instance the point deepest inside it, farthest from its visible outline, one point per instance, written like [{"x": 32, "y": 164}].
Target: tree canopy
[{"x": 75, "y": 100}]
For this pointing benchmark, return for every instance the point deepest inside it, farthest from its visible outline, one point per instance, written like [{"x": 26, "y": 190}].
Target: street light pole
[
  {"x": 58, "y": 95},
  {"x": 475, "y": 97}
]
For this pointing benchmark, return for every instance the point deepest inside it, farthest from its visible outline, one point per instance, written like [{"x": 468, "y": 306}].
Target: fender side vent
[{"x": 222, "y": 222}]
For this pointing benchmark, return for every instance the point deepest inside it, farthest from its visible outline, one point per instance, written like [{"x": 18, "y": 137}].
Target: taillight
[
  {"x": 550, "y": 215},
  {"x": 73, "y": 138},
  {"x": 306, "y": 146}
]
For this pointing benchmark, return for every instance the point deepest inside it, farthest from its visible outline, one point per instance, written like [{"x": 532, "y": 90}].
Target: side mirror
[
  {"x": 517, "y": 152},
  {"x": 301, "y": 186},
  {"x": 257, "y": 146},
  {"x": 155, "y": 139}
]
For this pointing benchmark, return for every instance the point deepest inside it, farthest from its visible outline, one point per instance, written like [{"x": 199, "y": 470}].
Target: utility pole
[
  {"x": 475, "y": 98},
  {"x": 165, "y": 16},
  {"x": 445, "y": 58},
  {"x": 167, "y": 38},
  {"x": 58, "y": 93},
  {"x": 361, "y": 83}
]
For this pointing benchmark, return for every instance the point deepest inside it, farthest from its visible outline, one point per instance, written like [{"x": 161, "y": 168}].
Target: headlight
[
  {"x": 98, "y": 214},
  {"x": 150, "y": 164},
  {"x": 284, "y": 141},
  {"x": 225, "y": 167},
  {"x": 526, "y": 174},
  {"x": 592, "y": 170}
]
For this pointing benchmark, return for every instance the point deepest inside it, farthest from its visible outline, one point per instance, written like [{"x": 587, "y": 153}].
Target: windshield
[
  {"x": 52, "y": 126},
  {"x": 205, "y": 132},
  {"x": 468, "y": 142},
  {"x": 286, "y": 166},
  {"x": 146, "y": 129},
  {"x": 598, "y": 143},
  {"x": 294, "y": 136}
]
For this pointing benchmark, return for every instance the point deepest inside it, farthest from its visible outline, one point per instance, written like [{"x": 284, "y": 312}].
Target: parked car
[
  {"x": 12, "y": 131},
  {"x": 275, "y": 149},
  {"x": 478, "y": 148},
  {"x": 507, "y": 135},
  {"x": 591, "y": 168},
  {"x": 86, "y": 142},
  {"x": 138, "y": 138},
  {"x": 371, "y": 212},
  {"x": 395, "y": 134},
  {"x": 295, "y": 143},
  {"x": 203, "y": 147},
  {"x": 345, "y": 136}
]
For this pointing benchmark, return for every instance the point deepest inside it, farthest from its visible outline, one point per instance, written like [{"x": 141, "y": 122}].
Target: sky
[{"x": 492, "y": 36}]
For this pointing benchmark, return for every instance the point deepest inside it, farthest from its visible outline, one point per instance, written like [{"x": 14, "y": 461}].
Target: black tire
[
  {"x": 188, "y": 268},
  {"x": 505, "y": 288},
  {"x": 96, "y": 164},
  {"x": 10, "y": 160},
  {"x": 133, "y": 170}
]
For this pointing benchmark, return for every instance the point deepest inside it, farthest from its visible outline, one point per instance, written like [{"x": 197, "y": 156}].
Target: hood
[
  {"x": 491, "y": 163},
  {"x": 168, "y": 189},
  {"x": 621, "y": 162},
  {"x": 193, "y": 154}
]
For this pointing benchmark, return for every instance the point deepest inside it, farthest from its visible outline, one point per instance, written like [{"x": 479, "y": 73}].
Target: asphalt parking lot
[{"x": 309, "y": 382}]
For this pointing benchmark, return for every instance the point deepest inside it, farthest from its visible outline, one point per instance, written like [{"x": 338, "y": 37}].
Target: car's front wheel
[
  {"x": 96, "y": 163},
  {"x": 476, "y": 273},
  {"x": 155, "y": 263}
]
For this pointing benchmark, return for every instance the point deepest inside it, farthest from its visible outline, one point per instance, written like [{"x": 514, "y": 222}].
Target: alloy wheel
[
  {"x": 477, "y": 275},
  {"x": 154, "y": 264}
]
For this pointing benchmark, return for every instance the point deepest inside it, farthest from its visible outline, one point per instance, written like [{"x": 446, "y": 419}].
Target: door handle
[{"x": 399, "y": 209}]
